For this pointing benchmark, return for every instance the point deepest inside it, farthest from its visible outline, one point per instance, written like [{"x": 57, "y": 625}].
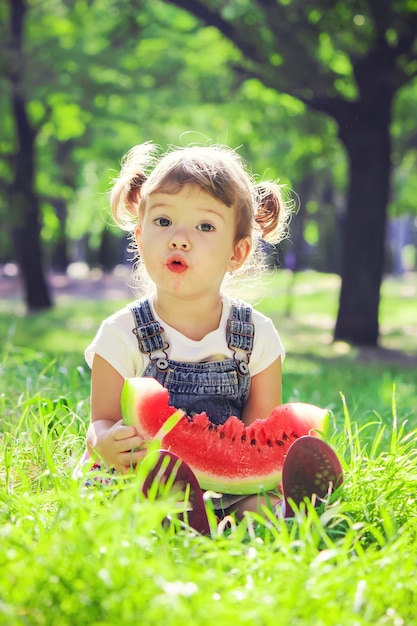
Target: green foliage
[
  {"x": 404, "y": 153},
  {"x": 100, "y": 79}
]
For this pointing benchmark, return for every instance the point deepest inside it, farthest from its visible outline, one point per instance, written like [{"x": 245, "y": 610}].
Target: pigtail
[
  {"x": 271, "y": 211},
  {"x": 126, "y": 193}
]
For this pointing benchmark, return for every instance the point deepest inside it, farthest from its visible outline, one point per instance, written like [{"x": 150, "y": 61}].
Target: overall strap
[
  {"x": 240, "y": 331},
  {"x": 148, "y": 331}
]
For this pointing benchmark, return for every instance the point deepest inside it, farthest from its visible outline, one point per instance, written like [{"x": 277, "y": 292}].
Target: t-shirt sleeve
[
  {"x": 116, "y": 343},
  {"x": 267, "y": 345}
]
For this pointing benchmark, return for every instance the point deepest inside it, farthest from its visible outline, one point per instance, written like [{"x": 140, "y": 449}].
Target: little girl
[{"x": 196, "y": 217}]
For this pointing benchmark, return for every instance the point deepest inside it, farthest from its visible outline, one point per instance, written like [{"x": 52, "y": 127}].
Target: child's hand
[{"x": 120, "y": 446}]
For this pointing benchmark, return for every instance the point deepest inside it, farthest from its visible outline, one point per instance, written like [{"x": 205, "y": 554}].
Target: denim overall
[{"x": 220, "y": 388}]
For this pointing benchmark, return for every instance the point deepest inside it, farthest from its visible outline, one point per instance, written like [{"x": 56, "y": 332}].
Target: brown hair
[{"x": 218, "y": 170}]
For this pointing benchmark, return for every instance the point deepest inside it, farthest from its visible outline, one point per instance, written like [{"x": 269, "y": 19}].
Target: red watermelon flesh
[{"x": 229, "y": 458}]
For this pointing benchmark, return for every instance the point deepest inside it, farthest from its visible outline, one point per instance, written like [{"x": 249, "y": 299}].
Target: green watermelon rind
[
  {"x": 128, "y": 403},
  {"x": 239, "y": 486}
]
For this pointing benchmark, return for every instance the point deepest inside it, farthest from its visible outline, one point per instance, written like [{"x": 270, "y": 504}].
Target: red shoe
[
  {"x": 311, "y": 468},
  {"x": 170, "y": 469}
]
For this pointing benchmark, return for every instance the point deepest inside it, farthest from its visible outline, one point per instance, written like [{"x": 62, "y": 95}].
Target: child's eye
[
  {"x": 162, "y": 221},
  {"x": 205, "y": 227}
]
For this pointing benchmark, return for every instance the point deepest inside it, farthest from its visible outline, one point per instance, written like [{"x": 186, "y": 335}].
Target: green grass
[{"x": 103, "y": 559}]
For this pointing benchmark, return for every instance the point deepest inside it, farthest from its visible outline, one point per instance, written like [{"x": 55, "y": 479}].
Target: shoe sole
[
  {"x": 170, "y": 470},
  {"x": 311, "y": 469}
]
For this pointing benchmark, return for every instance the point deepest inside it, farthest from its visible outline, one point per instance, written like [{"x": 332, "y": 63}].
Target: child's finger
[
  {"x": 129, "y": 444},
  {"x": 124, "y": 432},
  {"x": 132, "y": 458}
]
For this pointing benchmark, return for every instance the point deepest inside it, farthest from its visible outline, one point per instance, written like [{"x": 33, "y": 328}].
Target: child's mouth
[{"x": 176, "y": 265}]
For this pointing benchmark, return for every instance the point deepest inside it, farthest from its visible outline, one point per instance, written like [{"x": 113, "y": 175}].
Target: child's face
[{"x": 186, "y": 241}]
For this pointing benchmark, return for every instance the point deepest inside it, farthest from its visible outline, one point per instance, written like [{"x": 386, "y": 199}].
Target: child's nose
[{"x": 179, "y": 241}]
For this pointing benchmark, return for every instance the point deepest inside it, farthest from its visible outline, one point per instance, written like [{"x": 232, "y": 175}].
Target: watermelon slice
[{"x": 229, "y": 458}]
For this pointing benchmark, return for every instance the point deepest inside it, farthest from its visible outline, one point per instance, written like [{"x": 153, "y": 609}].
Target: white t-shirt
[{"x": 116, "y": 343}]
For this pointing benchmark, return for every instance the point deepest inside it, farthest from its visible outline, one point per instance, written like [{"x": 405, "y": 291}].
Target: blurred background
[{"x": 322, "y": 96}]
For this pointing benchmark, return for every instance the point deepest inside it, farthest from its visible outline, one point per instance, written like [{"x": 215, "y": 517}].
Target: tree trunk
[
  {"x": 25, "y": 205},
  {"x": 366, "y": 137},
  {"x": 24, "y": 200},
  {"x": 28, "y": 251}
]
